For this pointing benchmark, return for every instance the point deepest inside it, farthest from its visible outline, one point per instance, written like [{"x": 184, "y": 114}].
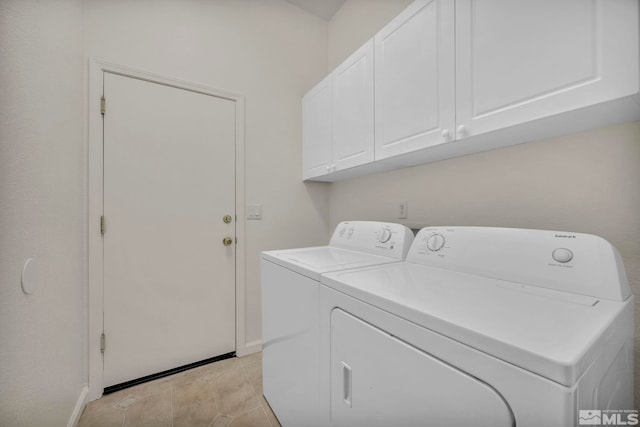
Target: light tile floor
[{"x": 222, "y": 394}]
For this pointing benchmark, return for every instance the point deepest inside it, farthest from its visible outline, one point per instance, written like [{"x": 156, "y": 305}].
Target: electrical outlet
[{"x": 402, "y": 210}]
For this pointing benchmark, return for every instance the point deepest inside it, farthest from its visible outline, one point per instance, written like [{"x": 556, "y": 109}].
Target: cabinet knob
[
  {"x": 445, "y": 133},
  {"x": 328, "y": 168},
  {"x": 462, "y": 130}
]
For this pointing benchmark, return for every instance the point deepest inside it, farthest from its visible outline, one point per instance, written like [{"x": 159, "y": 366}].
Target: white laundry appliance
[
  {"x": 480, "y": 326},
  {"x": 290, "y": 281}
]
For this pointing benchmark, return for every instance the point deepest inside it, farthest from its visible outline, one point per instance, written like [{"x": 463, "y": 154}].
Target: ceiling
[{"x": 325, "y": 9}]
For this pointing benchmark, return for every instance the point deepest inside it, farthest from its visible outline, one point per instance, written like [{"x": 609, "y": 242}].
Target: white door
[
  {"x": 414, "y": 79},
  {"x": 352, "y": 109},
  {"x": 519, "y": 61},
  {"x": 169, "y": 282},
  {"x": 379, "y": 381},
  {"x": 316, "y": 130}
]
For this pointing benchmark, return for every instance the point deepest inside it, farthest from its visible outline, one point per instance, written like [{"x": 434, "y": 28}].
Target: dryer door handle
[{"x": 346, "y": 384}]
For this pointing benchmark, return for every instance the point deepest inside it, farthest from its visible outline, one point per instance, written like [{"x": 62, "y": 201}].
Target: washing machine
[
  {"x": 480, "y": 326},
  {"x": 290, "y": 311}
]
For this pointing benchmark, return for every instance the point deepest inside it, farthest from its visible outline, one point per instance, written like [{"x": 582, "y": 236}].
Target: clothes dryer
[
  {"x": 480, "y": 326},
  {"x": 290, "y": 311}
]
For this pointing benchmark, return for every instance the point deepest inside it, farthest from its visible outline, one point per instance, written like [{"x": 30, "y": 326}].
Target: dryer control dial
[
  {"x": 435, "y": 242},
  {"x": 384, "y": 235},
  {"x": 562, "y": 255}
]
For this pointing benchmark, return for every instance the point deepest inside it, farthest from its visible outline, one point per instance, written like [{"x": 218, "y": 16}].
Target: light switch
[{"x": 254, "y": 211}]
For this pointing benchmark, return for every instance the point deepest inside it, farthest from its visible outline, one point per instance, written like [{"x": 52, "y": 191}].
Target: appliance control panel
[
  {"x": 379, "y": 238},
  {"x": 569, "y": 262}
]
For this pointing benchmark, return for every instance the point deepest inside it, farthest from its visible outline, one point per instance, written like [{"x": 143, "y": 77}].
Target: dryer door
[{"x": 378, "y": 380}]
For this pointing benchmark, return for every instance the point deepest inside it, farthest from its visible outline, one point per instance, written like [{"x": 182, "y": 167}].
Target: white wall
[
  {"x": 586, "y": 182},
  {"x": 356, "y": 22},
  {"x": 43, "y": 365},
  {"x": 267, "y": 50}
]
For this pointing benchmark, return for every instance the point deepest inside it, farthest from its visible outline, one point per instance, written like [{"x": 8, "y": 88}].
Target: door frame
[{"x": 95, "y": 208}]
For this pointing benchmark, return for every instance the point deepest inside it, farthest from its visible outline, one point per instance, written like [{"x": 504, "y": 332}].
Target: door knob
[{"x": 227, "y": 241}]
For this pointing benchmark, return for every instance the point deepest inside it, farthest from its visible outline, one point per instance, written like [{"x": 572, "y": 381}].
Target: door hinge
[
  {"x": 102, "y": 343},
  {"x": 102, "y": 225},
  {"x": 103, "y": 105}
]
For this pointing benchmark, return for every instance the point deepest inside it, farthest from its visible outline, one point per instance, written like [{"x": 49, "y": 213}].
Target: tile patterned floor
[{"x": 222, "y": 394}]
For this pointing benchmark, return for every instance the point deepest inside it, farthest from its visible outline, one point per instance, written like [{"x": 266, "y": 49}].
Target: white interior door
[{"x": 169, "y": 282}]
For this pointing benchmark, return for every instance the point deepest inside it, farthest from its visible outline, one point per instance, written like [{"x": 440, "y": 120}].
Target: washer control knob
[
  {"x": 384, "y": 236},
  {"x": 562, "y": 255},
  {"x": 435, "y": 242}
]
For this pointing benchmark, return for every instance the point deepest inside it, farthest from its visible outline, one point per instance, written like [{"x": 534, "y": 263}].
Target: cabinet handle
[
  {"x": 346, "y": 384},
  {"x": 462, "y": 130},
  {"x": 445, "y": 133}
]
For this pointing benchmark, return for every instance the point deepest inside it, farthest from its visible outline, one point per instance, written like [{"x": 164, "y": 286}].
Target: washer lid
[
  {"x": 552, "y": 333},
  {"x": 312, "y": 262}
]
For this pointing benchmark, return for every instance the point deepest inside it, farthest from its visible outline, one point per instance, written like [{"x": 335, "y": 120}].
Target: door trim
[{"x": 95, "y": 208}]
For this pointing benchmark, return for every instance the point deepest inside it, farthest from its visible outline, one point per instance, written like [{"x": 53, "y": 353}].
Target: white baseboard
[
  {"x": 249, "y": 348},
  {"x": 77, "y": 410}
]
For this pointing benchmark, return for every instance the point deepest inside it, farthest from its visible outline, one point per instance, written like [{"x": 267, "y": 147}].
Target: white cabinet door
[
  {"x": 518, "y": 61},
  {"x": 316, "y": 130},
  {"x": 414, "y": 79},
  {"x": 380, "y": 381},
  {"x": 353, "y": 109}
]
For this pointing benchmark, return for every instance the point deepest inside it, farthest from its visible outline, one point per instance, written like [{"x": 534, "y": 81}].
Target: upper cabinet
[
  {"x": 415, "y": 79},
  {"x": 352, "y": 111},
  {"x": 518, "y": 61},
  {"x": 337, "y": 117},
  {"x": 455, "y": 77},
  {"x": 317, "y": 151}
]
